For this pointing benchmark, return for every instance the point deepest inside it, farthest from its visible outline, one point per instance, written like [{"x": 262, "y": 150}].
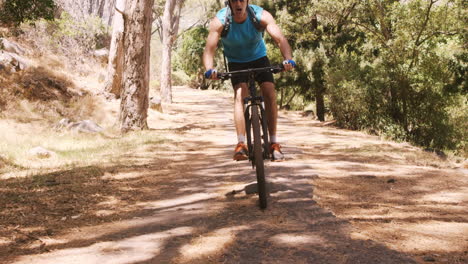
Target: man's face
[{"x": 239, "y": 7}]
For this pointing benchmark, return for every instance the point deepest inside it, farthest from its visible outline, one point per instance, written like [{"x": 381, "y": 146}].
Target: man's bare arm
[
  {"x": 275, "y": 32},
  {"x": 215, "y": 30}
]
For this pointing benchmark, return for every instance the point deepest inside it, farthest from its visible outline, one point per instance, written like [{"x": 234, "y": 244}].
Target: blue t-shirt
[{"x": 243, "y": 42}]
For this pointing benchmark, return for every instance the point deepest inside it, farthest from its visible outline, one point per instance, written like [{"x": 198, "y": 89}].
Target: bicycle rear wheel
[{"x": 258, "y": 158}]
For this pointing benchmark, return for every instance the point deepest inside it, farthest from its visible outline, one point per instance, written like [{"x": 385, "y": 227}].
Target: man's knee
[
  {"x": 240, "y": 91},
  {"x": 268, "y": 91}
]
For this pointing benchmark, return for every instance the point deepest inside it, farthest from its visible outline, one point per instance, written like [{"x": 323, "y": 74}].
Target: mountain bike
[{"x": 256, "y": 126}]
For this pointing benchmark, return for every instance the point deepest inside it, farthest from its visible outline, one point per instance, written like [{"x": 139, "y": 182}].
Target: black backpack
[{"x": 228, "y": 20}]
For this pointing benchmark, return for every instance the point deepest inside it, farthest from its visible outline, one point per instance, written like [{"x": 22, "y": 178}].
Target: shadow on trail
[
  {"x": 178, "y": 212},
  {"x": 390, "y": 192},
  {"x": 172, "y": 207}
]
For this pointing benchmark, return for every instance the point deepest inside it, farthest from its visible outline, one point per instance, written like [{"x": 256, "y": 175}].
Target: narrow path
[{"x": 192, "y": 207}]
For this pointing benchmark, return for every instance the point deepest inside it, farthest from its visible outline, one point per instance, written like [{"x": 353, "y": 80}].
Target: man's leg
[
  {"x": 240, "y": 92},
  {"x": 271, "y": 109}
]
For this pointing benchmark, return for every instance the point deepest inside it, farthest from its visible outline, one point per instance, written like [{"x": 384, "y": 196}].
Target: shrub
[
  {"x": 18, "y": 11},
  {"x": 67, "y": 35},
  {"x": 189, "y": 58},
  {"x": 190, "y": 54}
]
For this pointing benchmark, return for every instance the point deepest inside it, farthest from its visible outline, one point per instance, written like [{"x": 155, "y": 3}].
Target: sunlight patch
[
  {"x": 418, "y": 237},
  {"x": 436, "y": 236},
  {"x": 102, "y": 213},
  {"x": 294, "y": 240},
  {"x": 197, "y": 197},
  {"x": 210, "y": 243},
  {"x": 125, "y": 251},
  {"x": 109, "y": 200},
  {"x": 461, "y": 196},
  {"x": 125, "y": 175},
  {"x": 4, "y": 242}
]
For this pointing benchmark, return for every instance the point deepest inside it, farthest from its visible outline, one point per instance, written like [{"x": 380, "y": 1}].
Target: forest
[
  {"x": 115, "y": 148},
  {"x": 392, "y": 68}
]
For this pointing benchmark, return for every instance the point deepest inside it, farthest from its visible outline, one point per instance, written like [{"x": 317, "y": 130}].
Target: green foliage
[
  {"x": 179, "y": 78},
  {"x": 189, "y": 58},
  {"x": 90, "y": 33},
  {"x": 190, "y": 54},
  {"x": 191, "y": 50},
  {"x": 67, "y": 35},
  {"x": 395, "y": 68},
  {"x": 18, "y": 11}
]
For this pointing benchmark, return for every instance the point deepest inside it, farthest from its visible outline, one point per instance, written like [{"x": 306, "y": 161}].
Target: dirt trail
[{"x": 341, "y": 197}]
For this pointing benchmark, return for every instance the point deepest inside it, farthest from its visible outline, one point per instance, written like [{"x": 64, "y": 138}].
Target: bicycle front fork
[{"x": 248, "y": 104}]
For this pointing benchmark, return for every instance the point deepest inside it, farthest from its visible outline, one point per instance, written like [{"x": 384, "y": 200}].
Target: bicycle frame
[{"x": 255, "y": 101}]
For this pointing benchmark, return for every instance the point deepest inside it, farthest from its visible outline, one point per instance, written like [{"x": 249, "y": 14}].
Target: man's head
[{"x": 239, "y": 8}]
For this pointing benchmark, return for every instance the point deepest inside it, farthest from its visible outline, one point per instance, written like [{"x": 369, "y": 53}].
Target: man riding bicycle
[{"x": 245, "y": 48}]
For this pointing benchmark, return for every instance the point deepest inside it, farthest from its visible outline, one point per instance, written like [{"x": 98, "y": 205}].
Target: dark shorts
[{"x": 259, "y": 77}]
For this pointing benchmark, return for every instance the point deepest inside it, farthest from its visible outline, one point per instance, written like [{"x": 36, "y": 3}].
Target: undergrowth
[{"x": 69, "y": 149}]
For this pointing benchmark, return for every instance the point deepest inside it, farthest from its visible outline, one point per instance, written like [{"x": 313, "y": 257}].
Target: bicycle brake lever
[{"x": 280, "y": 68}]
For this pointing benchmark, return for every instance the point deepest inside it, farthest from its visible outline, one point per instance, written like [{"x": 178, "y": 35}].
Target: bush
[
  {"x": 189, "y": 58},
  {"x": 18, "y": 11},
  {"x": 90, "y": 33},
  {"x": 179, "y": 78},
  {"x": 189, "y": 55},
  {"x": 67, "y": 35}
]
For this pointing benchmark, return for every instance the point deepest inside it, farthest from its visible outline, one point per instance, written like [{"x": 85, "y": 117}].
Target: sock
[
  {"x": 240, "y": 138},
  {"x": 273, "y": 139}
]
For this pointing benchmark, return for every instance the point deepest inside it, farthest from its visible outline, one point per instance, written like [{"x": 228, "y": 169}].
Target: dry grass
[
  {"x": 39, "y": 93},
  {"x": 71, "y": 149},
  {"x": 34, "y": 100}
]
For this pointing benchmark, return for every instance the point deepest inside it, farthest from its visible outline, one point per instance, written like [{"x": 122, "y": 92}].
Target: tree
[
  {"x": 137, "y": 36},
  {"x": 316, "y": 28},
  {"x": 18, "y": 11},
  {"x": 170, "y": 24},
  {"x": 114, "y": 69},
  {"x": 396, "y": 68},
  {"x": 191, "y": 50}
]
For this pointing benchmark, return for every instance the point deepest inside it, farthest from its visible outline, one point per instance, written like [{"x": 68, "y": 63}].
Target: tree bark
[
  {"x": 134, "y": 102},
  {"x": 319, "y": 88},
  {"x": 170, "y": 22},
  {"x": 113, "y": 82},
  {"x": 320, "y": 106}
]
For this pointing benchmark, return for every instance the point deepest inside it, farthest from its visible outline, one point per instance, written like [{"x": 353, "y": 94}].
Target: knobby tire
[{"x": 258, "y": 158}]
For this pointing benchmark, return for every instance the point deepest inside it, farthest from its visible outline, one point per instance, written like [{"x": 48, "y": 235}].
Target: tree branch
[
  {"x": 417, "y": 42},
  {"x": 189, "y": 28},
  {"x": 295, "y": 91},
  {"x": 374, "y": 32},
  {"x": 426, "y": 20},
  {"x": 120, "y": 11},
  {"x": 346, "y": 13}
]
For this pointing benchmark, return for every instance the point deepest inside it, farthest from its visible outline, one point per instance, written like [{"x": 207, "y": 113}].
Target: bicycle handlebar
[{"x": 273, "y": 69}]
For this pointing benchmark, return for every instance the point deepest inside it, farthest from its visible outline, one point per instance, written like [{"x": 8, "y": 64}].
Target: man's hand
[
  {"x": 289, "y": 65},
  {"x": 211, "y": 74}
]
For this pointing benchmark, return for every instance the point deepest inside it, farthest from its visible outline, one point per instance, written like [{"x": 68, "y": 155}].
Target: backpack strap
[
  {"x": 228, "y": 20},
  {"x": 254, "y": 19}
]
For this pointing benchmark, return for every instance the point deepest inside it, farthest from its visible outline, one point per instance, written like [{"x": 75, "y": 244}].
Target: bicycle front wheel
[{"x": 258, "y": 158}]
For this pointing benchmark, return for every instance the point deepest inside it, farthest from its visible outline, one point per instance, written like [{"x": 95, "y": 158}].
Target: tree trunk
[
  {"x": 170, "y": 24},
  {"x": 114, "y": 69},
  {"x": 320, "y": 106},
  {"x": 134, "y": 103},
  {"x": 319, "y": 88}
]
